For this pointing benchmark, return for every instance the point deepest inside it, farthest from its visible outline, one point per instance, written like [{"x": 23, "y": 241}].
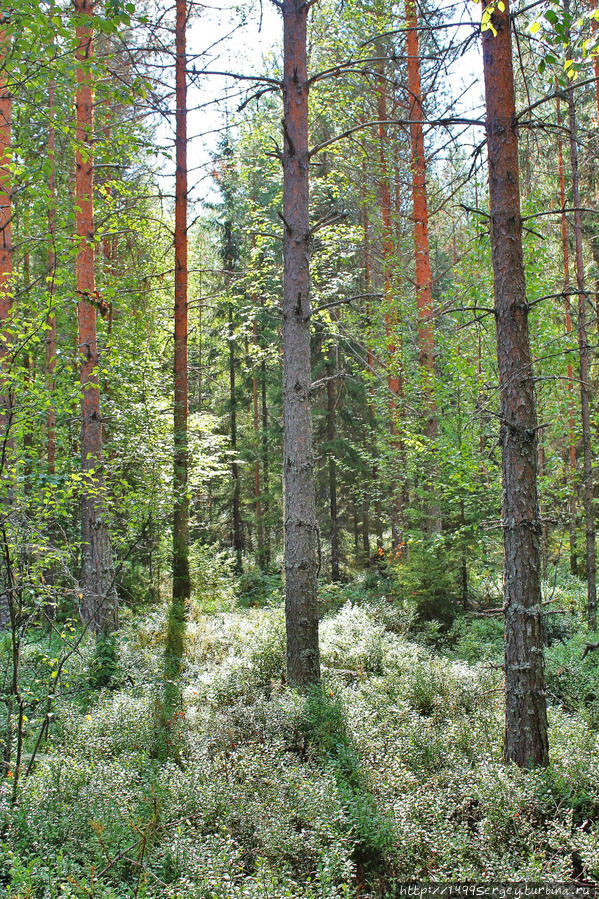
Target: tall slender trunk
[
  {"x": 237, "y": 524},
  {"x": 424, "y": 278},
  {"x": 265, "y": 462},
  {"x": 569, "y": 370},
  {"x": 6, "y": 248},
  {"x": 583, "y": 351},
  {"x": 390, "y": 272},
  {"x": 200, "y": 349},
  {"x": 107, "y": 238},
  {"x": 542, "y": 506},
  {"x": 256, "y": 420},
  {"x": 51, "y": 331},
  {"x": 7, "y": 609},
  {"x": 181, "y": 581},
  {"x": 594, "y": 30},
  {"x": 332, "y": 465},
  {"x": 100, "y": 606},
  {"x": 301, "y": 529},
  {"x": 370, "y": 365},
  {"x": 525, "y": 712},
  {"x": 594, "y": 239},
  {"x": 28, "y": 448}
]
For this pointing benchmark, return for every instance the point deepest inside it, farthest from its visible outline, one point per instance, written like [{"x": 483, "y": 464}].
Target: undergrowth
[{"x": 389, "y": 771}]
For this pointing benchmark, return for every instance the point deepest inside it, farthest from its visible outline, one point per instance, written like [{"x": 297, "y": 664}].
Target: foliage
[{"x": 390, "y": 770}]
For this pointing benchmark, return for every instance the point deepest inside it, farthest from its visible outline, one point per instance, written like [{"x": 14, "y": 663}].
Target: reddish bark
[
  {"x": 181, "y": 585},
  {"x": 390, "y": 286},
  {"x": 99, "y": 606},
  {"x": 526, "y": 713},
  {"x": 424, "y": 278},
  {"x": 301, "y": 530}
]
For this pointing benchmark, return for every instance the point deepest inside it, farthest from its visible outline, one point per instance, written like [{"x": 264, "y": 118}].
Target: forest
[{"x": 299, "y": 431}]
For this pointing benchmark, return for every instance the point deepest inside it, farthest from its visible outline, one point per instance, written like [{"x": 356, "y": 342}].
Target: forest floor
[{"x": 390, "y": 772}]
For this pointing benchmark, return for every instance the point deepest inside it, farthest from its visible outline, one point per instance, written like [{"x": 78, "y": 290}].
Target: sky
[{"x": 216, "y": 41}]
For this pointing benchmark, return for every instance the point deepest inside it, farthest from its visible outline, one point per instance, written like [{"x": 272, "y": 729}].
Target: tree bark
[
  {"x": 370, "y": 366},
  {"x": 6, "y": 247},
  {"x": 390, "y": 275},
  {"x": 583, "y": 352},
  {"x": 301, "y": 529},
  {"x": 28, "y": 445},
  {"x": 181, "y": 580},
  {"x": 51, "y": 332},
  {"x": 594, "y": 30},
  {"x": 265, "y": 462},
  {"x": 424, "y": 278},
  {"x": 526, "y": 714},
  {"x": 542, "y": 506},
  {"x": 99, "y": 601},
  {"x": 332, "y": 465},
  {"x": 237, "y": 524},
  {"x": 175, "y": 636},
  {"x": 569, "y": 370},
  {"x": 6, "y": 301},
  {"x": 256, "y": 419}
]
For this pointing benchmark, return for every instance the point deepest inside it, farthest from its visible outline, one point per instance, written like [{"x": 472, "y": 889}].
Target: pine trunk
[
  {"x": 265, "y": 462},
  {"x": 237, "y": 524},
  {"x": 424, "y": 278},
  {"x": 371, "y": 394},
  {"x": 301, "y": 530},
  {"x": 390, "y": 272},
  {"x": 583, "y": 351},
  {"x": 526, "y": 714},
  {"x": 51, "y": 332},
  {"x": 332, "y": 466},
  {"x": 6, "y": 248},
  {"x": 6, "y": 294},
  {"x": 99, "y": 599},
  {"x": 181, "y": 581},
  {"x": 569, "y": 370},
  {"x": 256, "y": 419}
]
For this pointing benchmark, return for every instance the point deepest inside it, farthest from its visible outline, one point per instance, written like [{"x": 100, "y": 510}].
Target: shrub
[
  {"x": 259, "y": 588},
  {"x": 429, "y": 580},
  {"x": 476, "y": 639},
  {"x": 572, "y": 681},
  {"x": 325, "y": 730},
  {"x": 352, "y": 639}
]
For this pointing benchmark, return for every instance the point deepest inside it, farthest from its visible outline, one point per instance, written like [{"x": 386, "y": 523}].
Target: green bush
[
  {"x": 326, "y": 733},
  {"x": 390, "y": 771},
  {"x": 259, "y": 588},
  {"x": 213, "y": 580},
  {"x": 104, "y": 664},
  {"x": 429, "y": 580},
  {"x": 573, "y": 682},
  {"x": 476, "y": 639}
]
